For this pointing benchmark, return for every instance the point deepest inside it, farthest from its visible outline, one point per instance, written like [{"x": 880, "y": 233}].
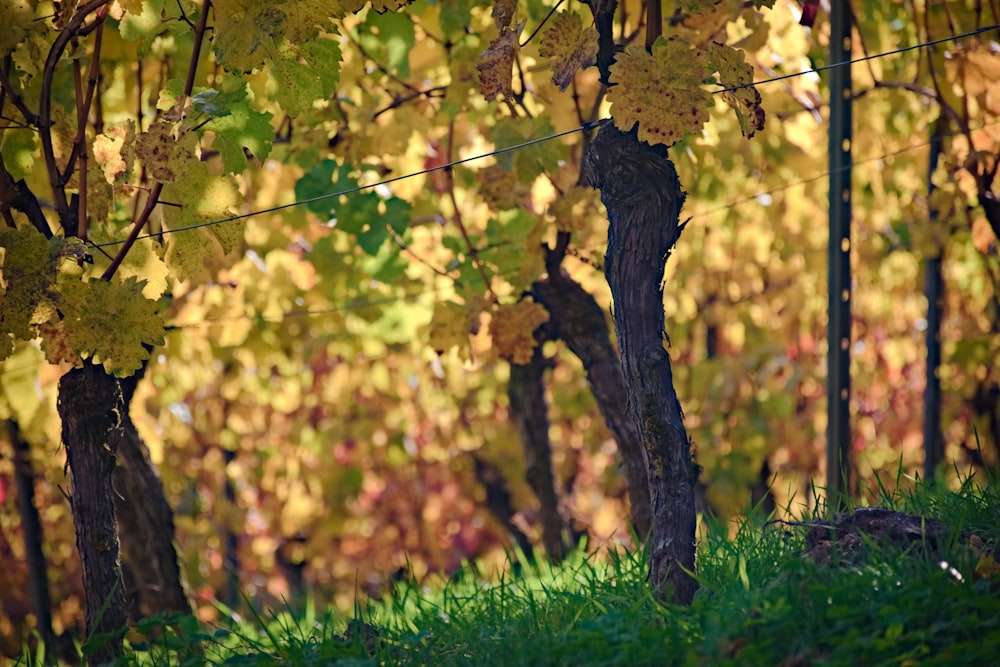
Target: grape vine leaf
[
  {"x": 388, "y": 39},
  {"x": 304, "y": 62},
  {"x": 513, "y": 329},
  {"x": 496, "y": 73},
  {"x": 304, "y": 73},
  {"x": 366, "y": 215},
  {"x": 27, "y": 270},
  {"x": 165, "y": 155},
  {"x": 977, "y": 66},
  {"x": 451, "y": 325},
  {"x": 504, "y": 12},
  {"x": 114, "y": 151},
  {"x": 18, "y": 19},
  {"x": 29, "y": 266},
  {"x": 531, "y": 161},
  {"x": 18, "y": 152},
  {"x": 142, "y": 261},
  {"x": 249, "y": 32},
  {"x": 142, "y": 20},
  {"x": 500, "y": 188},
  {"x": 660, "y": 91},
  {"x": 380, "y": 6},
  {"x": 108, "y": 321},
  {"x": 514, "y": 246},
  {"x": 237, "y": 125},
  {"x": 734, "y": 72},
  {"x": 570, "y": 44},
  {"x": 203, "y": 199}
]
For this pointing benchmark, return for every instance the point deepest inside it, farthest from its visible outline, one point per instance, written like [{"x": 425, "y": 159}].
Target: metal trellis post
[
  {"x": 838, "y": 384},
  {"x": 934, "y": 289}
]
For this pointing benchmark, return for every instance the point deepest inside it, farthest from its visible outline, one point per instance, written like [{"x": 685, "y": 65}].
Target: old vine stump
[{"x": 640, "y": 189}]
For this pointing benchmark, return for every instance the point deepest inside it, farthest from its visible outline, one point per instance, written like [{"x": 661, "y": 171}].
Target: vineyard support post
[
  {"x": 838, "y": 384},
  {"x": 934, "y": 289}
]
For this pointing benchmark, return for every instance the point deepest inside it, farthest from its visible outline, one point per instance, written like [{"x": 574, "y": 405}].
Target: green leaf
[
  {"x": 319, "y": 181},
  {"x": 397, "y": 214},
  {"x": 304, "y": 74},
  {"x": 19, "y": 147},
  {"x": 357, "y": 212},
  {"x": 18, "y": 19},
  {"x": 237, "y": 126},
  {"x": 455, "y": 15},
  {"x": 388, "y": 39},
  {"x": 136, "y": 26},
  {"x": 529, "y": 162},
  {"x": 29, "y": 265}
]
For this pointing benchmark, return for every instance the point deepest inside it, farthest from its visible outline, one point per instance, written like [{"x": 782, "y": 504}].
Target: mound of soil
[{"x": 847, "y": 538}]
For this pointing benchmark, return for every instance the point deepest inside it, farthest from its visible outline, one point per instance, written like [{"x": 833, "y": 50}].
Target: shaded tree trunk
[
  {"x": 145, "y": 524},
  {"x": 640, "y": 189},
  {"x": 31, "y": 527},
  {"x": 499, "y": 504},
  {"x": 529, "y": 412},
  {"x": 230, "y": 593},
  {"x": 579, "y": 321},
  {"x": 90, "y": 405}
]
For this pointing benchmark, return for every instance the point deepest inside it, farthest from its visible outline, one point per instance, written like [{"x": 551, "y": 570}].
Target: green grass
[{"x": 761, "y": 603}]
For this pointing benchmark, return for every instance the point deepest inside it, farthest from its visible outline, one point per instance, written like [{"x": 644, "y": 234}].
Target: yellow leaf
[
  {"x": 661, "y": 91},
  {"x": 496, "y": 69},
  {"x": 734, "y": 72},
  {"x": 451, "y": 326},
  {"x": 571, "y": 44},
  {"x": 982, "y": 70},
  {"x": 113, "y": 151},
  {"x": 513, "y": 330},
  {"x": 987, "y": 568},
  {"x": 500, "y": 188},
  {"x": 165, "y": 156}
]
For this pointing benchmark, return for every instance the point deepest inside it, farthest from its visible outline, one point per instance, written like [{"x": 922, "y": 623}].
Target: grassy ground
[{"x": 762, "y": 602}]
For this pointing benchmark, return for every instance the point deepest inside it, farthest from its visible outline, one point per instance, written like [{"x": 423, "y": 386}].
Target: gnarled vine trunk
[
  {"x": 577, "y": 319},
  {"x": 145, "y": 524},
  {"x": 529, "y": 412},
  {"x": 91, "y": 408},
  {"x": 31, "y": 528},
  {"x": 640, "y": 189}
]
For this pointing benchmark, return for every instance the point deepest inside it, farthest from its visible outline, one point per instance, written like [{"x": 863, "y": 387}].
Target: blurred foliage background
[{"x": 311, "y": 437}]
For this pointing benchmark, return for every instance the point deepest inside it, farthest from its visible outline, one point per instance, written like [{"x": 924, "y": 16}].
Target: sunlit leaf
[
  {"x": 660, "y": 91},
  {"x": 496, "y": 67}
]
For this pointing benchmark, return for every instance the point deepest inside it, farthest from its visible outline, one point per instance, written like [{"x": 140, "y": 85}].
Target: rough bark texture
[
  {"x": 31, "y": 527},
  {"x": 145, "y": 525},
  {"x": 577, "y": 319},
  {"x": 90, "y": 405},
  {"x": 639, "y": 187},
  {"x": 529, "y": 412}
]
